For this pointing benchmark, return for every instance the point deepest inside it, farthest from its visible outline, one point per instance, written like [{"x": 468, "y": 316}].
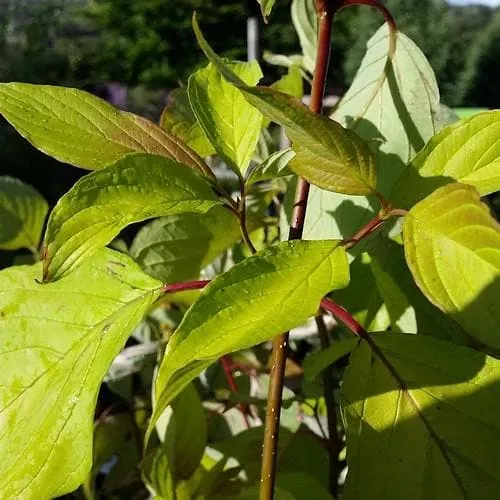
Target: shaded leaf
[
  {"x": 230, "y": 123},
  {"x": 22, "y": 214},
  {"x": 284, "y": 283},
  {"x": 408, "y": 308},
  {"x": 274, "y": 166},
  {"x": 80, "y": 129},
  {"x": 178, "y": 119},
  {"x": 101, "y": 204},
  {"x": 467, "y": 151},
  {"x": 184, "y": 424},
  {"x": 67, "y": 334},
  {"x": 452, "y": 247},
  {"x": 315, "y": 363},
  {"x": 177, "y": 248},
  {"x": 305, "y": 21},
  {"x": 429, "y": 410}
]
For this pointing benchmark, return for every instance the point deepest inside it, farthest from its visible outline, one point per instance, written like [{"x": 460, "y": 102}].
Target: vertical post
[{"x": 252, "y": 39}]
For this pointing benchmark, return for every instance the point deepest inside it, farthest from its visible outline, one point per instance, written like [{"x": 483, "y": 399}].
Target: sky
[{"x": 492, "y": 3}]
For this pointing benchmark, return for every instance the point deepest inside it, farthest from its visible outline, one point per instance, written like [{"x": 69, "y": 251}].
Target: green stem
[
  {"x": 242, "y": 219},
  {"x": 325, "y": 12}
]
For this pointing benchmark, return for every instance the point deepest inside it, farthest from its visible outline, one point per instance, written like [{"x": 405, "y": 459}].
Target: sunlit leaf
[
  {"x": 266, "y": 6},
  {"x": 284, "y": 283},
  {"x": 78, "y": 128},
  {"x": 467, "y": 151},
  {"x": 178, "y": 119},
  {"x": 22, "y": 214},
  {"x": 101, "y": 204},
  {"x": 66, "y": 335},
  {"x": 452, "y": 246},
  {"x": 229, "y": 122},
  {"x": 391, "y": 104},
  {"x": 305, "y": 21},
  {"x": 291, "y": 83},
  {"x": 428, "y": 410},
  {"x": 327, "y": 154}
]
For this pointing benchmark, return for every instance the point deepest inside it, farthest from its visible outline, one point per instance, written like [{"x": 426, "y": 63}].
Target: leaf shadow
[{"x": 446, "y": 417}]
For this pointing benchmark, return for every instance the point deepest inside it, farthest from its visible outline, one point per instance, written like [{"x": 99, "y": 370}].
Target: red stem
[
  {"x": 341, "y": 314},
  {"x": 227, "y": 363},
  {"x": 185, "y": 285}
]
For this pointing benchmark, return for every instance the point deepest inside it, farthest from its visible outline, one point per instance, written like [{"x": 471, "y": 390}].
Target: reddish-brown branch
[
  {"x": 345, "y": 317},
  {"x": 185, "y": 285},
  {"x": 227, "y": 363},
  {"x": 369, "y": 228},
  {"x": 326, "y": 11}
]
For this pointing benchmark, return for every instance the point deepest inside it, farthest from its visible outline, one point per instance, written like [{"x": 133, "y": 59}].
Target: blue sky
[{"x": 492, "y": 3}]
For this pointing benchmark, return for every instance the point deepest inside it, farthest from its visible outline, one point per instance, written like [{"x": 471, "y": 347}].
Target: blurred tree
[
  {"x": 445, "y": 33},
  {"x": 479, "y": 84},
  {"x": 151, "y": 42}
]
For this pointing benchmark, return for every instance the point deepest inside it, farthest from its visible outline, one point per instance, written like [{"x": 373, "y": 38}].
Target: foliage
[{"x": 143, "y": 370}]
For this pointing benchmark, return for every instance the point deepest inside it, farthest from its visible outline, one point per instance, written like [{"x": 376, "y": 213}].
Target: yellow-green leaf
[
  {"x": 229, "y": 122},
  {"x": 80, "y": 129},
  {"x": 22, "y": 214},
  {"x": 56, "y": 343},
  {"x": 327, "y": 154},
  {"x": 272, "y": 291},
  {"x": 421, "y": 420},
  {"x": 467, "y": 151},
  {"x": 178, "y": 119},
  {"x": 452, "y": 247},
  {"x": 101, "y": 204}
]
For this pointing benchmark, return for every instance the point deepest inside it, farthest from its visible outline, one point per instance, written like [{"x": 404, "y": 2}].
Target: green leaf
[
  {"x": 266, "y": 6},
  {"x": 272, "y": 291},
  {"x": 80, "y": 129},
  {"x": 467, "y": 151},
  {"x": 177, "y": 248},
  {"x": 429, "y": 411},
  {"x": 282, "y": 60},
  {"x": 113, "y": 440},
  {"x": 178, "y": 119},
  {"x": 66, "y": 335},
  {"x": 230, "y": 123},
  {"x": 274, "y": 166},
  {"x": 408, "y": 308},
  {"x": 101, "y": 204},
  {"x": 327, "y": 155},
  {"x": 391, "y": 104},
  {"x": 305, "y": 21},
  {"x": 22, "y": 214},
  {"x": 452, "y": 247},
  {"x": 313, "y": 365},
  {"x": 184, "y": 424},
  {"x": 291, "y": 83}
]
